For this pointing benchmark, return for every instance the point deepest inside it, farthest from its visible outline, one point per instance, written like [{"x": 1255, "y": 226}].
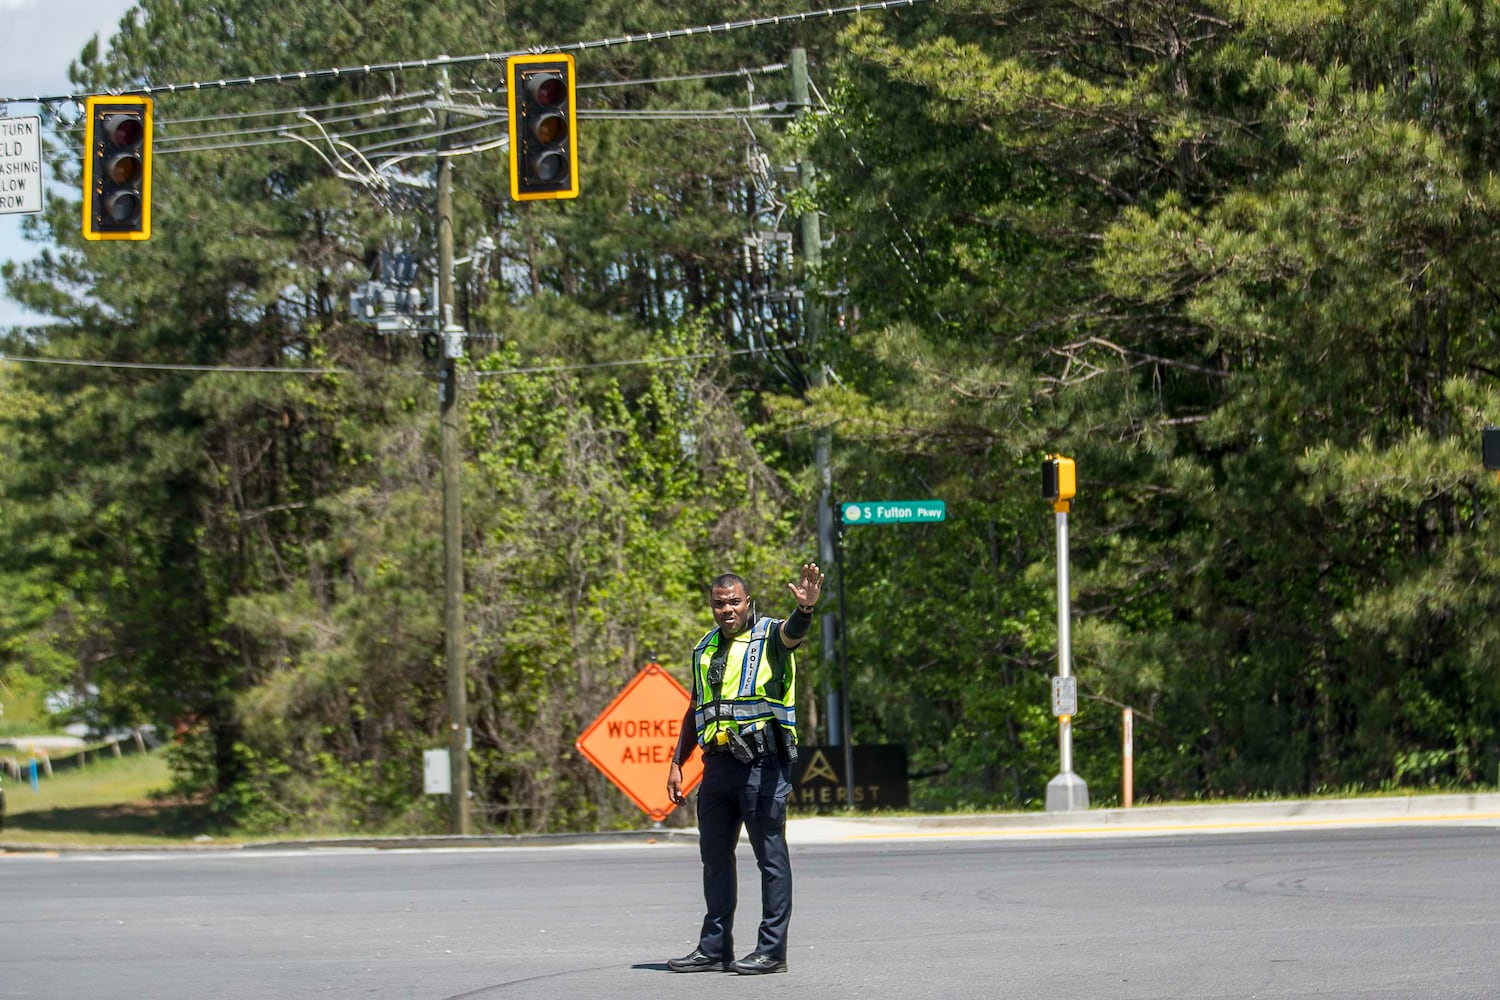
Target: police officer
[{"x": 744, "y": 716}]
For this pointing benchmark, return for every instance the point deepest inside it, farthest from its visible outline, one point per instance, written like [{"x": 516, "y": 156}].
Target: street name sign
[
  {"x": 20, "y": 165},
  {"x": 894, "y": 511},
  {"x": 633, "y": 738}
]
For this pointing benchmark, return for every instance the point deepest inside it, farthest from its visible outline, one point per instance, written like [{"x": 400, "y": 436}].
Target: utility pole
[
  {"x": 452, "y": 460},
  {"x": 812, "y": 312}
]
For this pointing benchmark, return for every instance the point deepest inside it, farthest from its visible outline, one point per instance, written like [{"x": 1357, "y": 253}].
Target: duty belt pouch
[
  {"x": 786, "y": 744},
  {"x": 739, "y": 748}
]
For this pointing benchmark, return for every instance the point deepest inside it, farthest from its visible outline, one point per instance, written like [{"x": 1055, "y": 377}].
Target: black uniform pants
[{"x": 751, "y": 795}]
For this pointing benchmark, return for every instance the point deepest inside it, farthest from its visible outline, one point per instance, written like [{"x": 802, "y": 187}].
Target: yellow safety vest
[{"x": 749, "y": 695}]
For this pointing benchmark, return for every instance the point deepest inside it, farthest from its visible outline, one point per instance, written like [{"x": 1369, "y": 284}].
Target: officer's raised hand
[{"x": 806, "y": 591}]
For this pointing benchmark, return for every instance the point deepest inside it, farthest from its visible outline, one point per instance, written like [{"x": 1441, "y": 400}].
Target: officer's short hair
[{"x": 728, "y": 580}]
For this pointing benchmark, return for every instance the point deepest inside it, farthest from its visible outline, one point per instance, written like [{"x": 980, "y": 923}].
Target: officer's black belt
[{"x": 762, "y": 743}]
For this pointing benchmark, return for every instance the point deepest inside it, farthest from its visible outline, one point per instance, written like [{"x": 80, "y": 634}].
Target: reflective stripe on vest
[{"x": 745, "y": 704}]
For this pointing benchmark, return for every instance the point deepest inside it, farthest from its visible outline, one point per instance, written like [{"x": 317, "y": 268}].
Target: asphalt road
[{"x": 1409, "y": 912}]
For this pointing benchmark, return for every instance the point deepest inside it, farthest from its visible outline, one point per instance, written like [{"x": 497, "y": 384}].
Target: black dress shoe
[
  {"x": 697, "y": 962},
  {"x": 756, "y": 964}
]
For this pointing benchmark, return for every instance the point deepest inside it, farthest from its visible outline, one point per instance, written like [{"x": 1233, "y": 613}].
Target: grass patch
[{"x": 110, "y": 801}]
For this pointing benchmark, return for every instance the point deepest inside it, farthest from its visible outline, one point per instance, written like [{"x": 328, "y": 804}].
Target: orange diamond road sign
[{"x": 633, "y": 739}]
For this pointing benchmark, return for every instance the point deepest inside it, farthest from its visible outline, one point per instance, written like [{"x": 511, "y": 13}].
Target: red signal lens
[
  {"x": 123, "y": 130},
  {"x": 548, "y": 91}
]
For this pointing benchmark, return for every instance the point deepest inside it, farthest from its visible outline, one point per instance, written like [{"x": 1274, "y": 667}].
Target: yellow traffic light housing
[
  {"x": 117, "y": 168},
  {"x": 542, "y": 99},
  {"x": 1059, "y": 479}
]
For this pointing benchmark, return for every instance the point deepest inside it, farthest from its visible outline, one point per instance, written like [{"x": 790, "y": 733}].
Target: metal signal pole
[{"x": 1067, "y": 791}]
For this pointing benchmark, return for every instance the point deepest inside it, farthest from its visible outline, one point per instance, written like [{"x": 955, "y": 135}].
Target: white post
[
  {"x": 1067, "y": 791},
  {"x": 1128, "y": 768},
  {"x": 1064, "y": 638}
]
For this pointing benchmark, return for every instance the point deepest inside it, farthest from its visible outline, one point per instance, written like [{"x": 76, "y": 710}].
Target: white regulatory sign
[
  {"x": 20, "y": 165},
  {"x": 1065, "y": 695}
]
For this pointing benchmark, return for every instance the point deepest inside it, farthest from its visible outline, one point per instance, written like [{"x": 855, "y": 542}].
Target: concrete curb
[
  {"x": 601, "y": 838},
  {"x": 1475, "y": 808}
]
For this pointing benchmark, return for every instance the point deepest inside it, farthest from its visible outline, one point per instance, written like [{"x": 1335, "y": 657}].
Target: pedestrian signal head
[
  {"x": 1059, "y": 478},
  {"x": 117, "y": 168}
]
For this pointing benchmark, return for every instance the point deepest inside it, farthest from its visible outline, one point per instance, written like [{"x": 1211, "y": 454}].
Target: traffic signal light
[
  {"x": 117, "y": 168},
  {"x": 1490, "y": 448},
  {"x": 1059, "y": 478},
  {"x": 543, "y": 127}
]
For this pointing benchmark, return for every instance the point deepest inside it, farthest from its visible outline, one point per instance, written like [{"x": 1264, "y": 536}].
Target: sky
[{"x": 38, "y": 39}]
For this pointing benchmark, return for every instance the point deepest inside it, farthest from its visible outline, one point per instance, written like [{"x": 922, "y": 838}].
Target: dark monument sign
[{"x": 879, "y": 775}]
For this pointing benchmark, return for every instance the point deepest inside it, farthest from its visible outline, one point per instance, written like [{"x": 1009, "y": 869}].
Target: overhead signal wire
[
  {"x": 275, "y": 135},
  {"x": 651, "y": 81},
  {"x": 416, "y": 95},
  {"x": 435, "y": 62}
]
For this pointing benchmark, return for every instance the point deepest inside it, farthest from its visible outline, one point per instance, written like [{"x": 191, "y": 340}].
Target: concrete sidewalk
[{"x": 1475, "y": 809}]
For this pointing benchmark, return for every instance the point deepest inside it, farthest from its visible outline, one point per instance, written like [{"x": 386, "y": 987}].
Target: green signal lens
[
  {"x": 123, "y": 207},
  {"x": 549, "y": 167}
]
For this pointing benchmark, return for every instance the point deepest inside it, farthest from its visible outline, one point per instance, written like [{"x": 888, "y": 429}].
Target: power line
[
  {"x": 167, "y": 137},
  {"x": 190, "y": 143},
  {"x": 287, "y": 134},
  {"x": 257, "y": 370},
  {"x": 162, "y": 367},
  {"x": 431, "y": 136},
  {"x": 441, "y": 61},
  {"x": 300, "y": 109},
  {"x": 584, "y": 366},
  {"x": 761, "y": 111}
]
